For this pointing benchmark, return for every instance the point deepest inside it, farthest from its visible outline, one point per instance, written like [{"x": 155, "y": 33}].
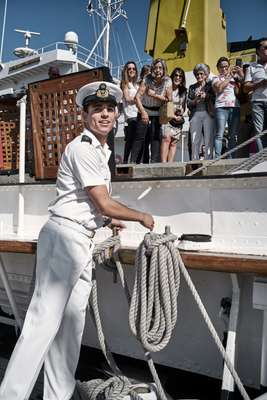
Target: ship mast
[
  {"x": 3, "y": 32},
  {"x": 108, "y": 11}
]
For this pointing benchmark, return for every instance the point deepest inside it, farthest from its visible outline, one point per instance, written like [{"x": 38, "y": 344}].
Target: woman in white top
[
  {"x": 154, "y": 90},
  {"x": 171, "y": 132},
  {"x": 129, "y": 87},
  {"x": 227, "y": 107}
]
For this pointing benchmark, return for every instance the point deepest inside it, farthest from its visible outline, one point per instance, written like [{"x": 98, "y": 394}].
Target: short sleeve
[
  {"x": 168, "y": 82},
  {"x": 248, "y": 76},
  {"x": 87, "y": 165}
]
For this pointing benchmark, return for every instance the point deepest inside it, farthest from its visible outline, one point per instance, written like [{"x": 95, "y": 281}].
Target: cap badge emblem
[{"x": 102, "y": 91}]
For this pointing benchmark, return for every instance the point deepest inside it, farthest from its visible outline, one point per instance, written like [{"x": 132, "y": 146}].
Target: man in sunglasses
[{"x": 256, "y": 85}]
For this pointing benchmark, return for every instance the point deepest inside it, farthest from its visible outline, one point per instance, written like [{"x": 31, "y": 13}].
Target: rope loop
[
  {"x": 153, "y": 309},
  {"x": 115, "y": 388}
]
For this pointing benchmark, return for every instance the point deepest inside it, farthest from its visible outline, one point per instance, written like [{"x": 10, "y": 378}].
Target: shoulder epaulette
[{"x": 86, "y": 138}]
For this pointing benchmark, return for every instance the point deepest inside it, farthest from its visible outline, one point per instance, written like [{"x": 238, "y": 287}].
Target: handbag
[{"x": 166, "y": 112}]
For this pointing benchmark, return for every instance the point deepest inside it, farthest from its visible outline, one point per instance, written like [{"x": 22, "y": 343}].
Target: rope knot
[
  {"x": 102, "y": 251},
  {"x": 115, "y": 388},
  {"x": 152, "y": 240}
]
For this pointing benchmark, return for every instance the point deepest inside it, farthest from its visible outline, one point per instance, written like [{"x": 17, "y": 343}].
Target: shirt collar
[{"x": 95, "y": 142}]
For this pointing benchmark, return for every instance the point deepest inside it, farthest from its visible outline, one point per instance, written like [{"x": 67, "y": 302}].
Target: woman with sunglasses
[
  {"x": 200, "y": 104},
  {"x": 129, "y": 87},
  {"x": 154, "y": 90},
  {"x": 171, "y": 132}
]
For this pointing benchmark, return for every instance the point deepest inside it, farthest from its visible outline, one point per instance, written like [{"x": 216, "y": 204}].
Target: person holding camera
[
  {"x": 256, "y": 83},
  {"x": 171, "y": 132},
  {"x": 200, "y": 104},
  {"x": 227, "y": 107}
]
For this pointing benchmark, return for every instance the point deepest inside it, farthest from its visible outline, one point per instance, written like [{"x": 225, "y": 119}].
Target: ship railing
[
  {"x": 81, "y": 53},
  {"x": 95, "y": 60}
]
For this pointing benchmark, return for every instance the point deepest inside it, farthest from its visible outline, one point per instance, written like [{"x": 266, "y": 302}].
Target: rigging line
[
  {"x": 120, "y": 48},
  {"x": 98, "y": 31},
  {"x": 115, "y": 46},
  {"x": 133, "y": 41},
  {"x": 94, "y": 28},
  {"x": 120, "y": 55}
]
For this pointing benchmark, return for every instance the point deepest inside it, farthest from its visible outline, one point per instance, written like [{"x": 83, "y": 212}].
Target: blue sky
[{"x": 52, "y": 18}]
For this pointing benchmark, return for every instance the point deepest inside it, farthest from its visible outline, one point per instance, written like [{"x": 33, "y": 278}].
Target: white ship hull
[{"x": 233, "y": 210}]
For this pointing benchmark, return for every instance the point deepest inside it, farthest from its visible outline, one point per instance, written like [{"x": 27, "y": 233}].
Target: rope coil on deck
[{"x": 115, "y": 388}]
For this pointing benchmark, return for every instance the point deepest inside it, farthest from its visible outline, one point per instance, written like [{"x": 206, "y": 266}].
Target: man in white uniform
[{"x": 54, "y": 323}]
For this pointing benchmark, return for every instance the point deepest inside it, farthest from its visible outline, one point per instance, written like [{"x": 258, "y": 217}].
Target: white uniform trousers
[{"x": 54, "y": 322}]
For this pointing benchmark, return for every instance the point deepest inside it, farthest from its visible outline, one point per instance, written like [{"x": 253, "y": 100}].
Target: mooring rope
[
  {"x": 153, "y": 310},
  {"x": 211, "y": 328},
  {"x": 117, "y": 387}
]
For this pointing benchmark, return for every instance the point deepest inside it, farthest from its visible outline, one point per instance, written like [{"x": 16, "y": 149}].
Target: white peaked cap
[{"x": 98, "y": 91}]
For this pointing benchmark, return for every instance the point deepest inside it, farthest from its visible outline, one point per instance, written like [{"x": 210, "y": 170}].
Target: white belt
[{"x": 73, "y": 225}]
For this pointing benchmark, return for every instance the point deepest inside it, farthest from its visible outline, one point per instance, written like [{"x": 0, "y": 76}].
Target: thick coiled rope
[{"x": 153, "y": 310}]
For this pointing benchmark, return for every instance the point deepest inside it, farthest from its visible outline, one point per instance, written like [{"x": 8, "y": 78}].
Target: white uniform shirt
[
  {"x": 255, "y": 73},
  {"x": 82, "y": 164}
]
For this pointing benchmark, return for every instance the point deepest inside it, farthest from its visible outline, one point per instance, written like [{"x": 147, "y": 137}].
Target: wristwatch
[{"x": 106, "y": 221}]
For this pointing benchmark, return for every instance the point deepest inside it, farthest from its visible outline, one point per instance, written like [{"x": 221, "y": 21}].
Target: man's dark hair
[{"x": 259, "y": 42}]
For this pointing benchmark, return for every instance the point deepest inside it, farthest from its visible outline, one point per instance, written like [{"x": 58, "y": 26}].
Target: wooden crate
[{"x": 56, "y": 120}]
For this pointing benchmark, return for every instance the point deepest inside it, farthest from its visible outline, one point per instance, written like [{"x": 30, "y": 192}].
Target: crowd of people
[{"x": 212, "y": 104}]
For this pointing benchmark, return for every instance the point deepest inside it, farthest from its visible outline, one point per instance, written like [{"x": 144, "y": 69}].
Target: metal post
[
  {"x": 12, "y": 302},
  {"x": 228, "y": 381},
  {"x": 22, "y": 135},
  {"x": 182, "y": 150},
  {"x": 264, "y": 351},
  {"x": 3, "y": 32}
]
